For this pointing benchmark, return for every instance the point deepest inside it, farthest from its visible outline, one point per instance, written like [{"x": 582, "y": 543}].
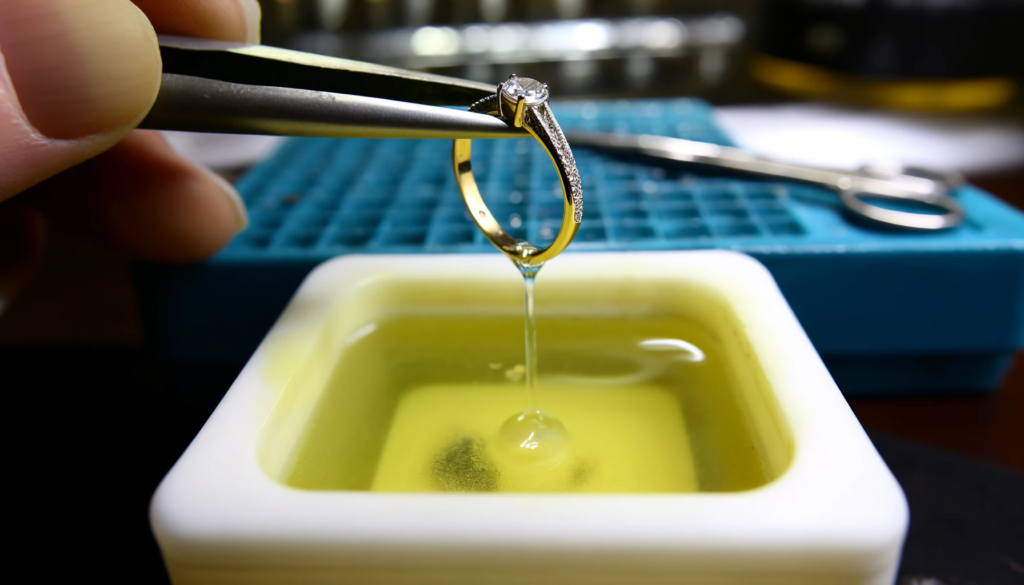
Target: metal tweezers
[{"x": 213, "y": 86}]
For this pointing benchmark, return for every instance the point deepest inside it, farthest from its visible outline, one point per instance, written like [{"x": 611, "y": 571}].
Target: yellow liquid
[
  {"x": 622, "y": 439},
  {"x": 650, "y": 404}
]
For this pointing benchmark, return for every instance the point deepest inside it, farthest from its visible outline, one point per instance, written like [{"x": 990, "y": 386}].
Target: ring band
[{"x": 523, "y": 103}]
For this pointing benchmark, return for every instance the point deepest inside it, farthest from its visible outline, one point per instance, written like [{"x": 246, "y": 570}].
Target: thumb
[{"x": 75, "y": 77}]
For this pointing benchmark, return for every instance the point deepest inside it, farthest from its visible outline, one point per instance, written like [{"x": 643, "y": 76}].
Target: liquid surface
[
  {"x": 626, "y": 438},
  {"x": 649, "y": 404}
]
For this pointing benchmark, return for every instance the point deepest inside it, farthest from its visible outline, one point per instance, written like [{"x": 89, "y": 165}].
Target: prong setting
[{"x": 517, "y": 94}]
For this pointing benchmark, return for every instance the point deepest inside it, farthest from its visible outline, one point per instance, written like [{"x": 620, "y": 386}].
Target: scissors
[
  {"x": 929, "y": 189},
  {"x": 214, "y": 86}
]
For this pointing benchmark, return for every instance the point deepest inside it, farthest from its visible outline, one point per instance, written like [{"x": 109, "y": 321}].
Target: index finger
[{"x": 225, "y": 20}]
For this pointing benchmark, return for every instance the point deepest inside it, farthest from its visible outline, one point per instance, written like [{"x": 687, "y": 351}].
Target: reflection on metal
[
  {"x": 272, "y": 66},
  {"x": 197, "y": 104},
  {"x": 686, "y": 351}
]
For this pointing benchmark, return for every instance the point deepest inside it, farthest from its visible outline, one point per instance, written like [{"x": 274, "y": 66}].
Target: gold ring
[{"x": 522, "y": 102}]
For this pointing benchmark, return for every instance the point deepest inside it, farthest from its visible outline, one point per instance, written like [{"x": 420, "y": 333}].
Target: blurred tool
[
  {"x": 211, "y": 86},
  {"x": 582, "y": 47},
  {"x": 872, "y": 181},
  {"x": 938, "y": 55}
]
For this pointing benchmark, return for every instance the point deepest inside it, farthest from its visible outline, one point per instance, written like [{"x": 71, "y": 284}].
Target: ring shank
[{"x": 539, "y": 125}]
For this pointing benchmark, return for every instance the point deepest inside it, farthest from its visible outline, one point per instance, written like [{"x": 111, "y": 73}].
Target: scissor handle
[{"x": 953, "y": 216}]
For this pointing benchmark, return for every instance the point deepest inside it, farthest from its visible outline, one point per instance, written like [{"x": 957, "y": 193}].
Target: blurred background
[
  {"x": 951, "y": 55},
  {"x": 935, "y": 83},
  {"x": 931, "y": 82}
]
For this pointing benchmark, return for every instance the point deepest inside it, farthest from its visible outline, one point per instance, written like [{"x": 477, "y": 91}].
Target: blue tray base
[
  {"x": 918, "y": 375},
  {"x": 217, "y": 313}
]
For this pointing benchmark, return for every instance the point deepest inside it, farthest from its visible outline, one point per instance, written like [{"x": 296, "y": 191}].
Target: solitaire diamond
[{"x": 533, "y": 91}]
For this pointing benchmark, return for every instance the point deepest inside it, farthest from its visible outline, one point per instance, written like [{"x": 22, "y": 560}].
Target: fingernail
[
  {"x": 241, "y": 214},
  {"x": 79, "y": 67},
  {"x": 252, "y": 14}
]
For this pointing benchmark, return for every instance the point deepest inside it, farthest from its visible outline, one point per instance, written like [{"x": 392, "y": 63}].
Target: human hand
[{"x": 76, "y": 77}]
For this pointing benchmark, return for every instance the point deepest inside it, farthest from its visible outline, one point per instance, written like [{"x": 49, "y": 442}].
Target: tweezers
[{"x": 213, "y": 86}]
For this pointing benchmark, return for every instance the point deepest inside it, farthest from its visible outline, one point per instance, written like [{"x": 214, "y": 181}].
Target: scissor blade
[
  {"x": 737, "y": 159},
  {"x": 205, "y": 105},
  {"x": 645, "y": 144},
  {"x": 272, "y": 66},
  {"x": 701, "y": 153}
]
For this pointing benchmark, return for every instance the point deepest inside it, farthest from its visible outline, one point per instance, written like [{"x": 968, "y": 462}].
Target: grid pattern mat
[{"x": 320, "y": 197}]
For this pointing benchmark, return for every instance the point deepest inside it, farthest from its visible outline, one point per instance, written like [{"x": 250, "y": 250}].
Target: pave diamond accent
[
  {"x": 485, "y": 105},
  {"x": 533, "y": 92},
  {"x": 542, "y": 121}
]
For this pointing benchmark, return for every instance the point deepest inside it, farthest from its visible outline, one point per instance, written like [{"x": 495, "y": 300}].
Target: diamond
[{"x": 533, "y": 91}]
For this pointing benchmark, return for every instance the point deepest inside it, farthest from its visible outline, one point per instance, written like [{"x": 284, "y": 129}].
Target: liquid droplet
[{"x": 532, "y": 441}]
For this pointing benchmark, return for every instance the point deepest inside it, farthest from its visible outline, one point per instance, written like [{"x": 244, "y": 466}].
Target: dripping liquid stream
[
  {"x": 532, "y": 440},
  {"x": 530, "y": 330}
]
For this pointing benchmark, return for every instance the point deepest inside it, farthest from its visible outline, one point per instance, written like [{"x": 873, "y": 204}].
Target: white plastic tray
[{"x": 834, "y": 514}]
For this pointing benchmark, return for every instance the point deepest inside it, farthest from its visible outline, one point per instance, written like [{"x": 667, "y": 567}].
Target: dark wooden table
[{"x": 989, "y": 426}]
